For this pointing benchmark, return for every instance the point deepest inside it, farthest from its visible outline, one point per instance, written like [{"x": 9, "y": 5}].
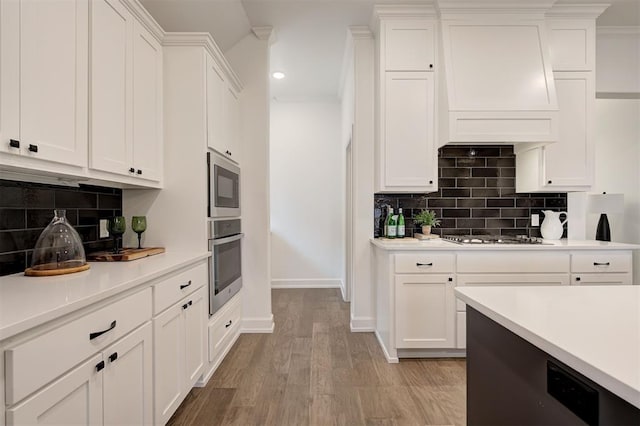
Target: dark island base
[{"x": 511, "y": 382}]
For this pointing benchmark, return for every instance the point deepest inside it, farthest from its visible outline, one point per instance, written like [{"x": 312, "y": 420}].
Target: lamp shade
[{"x": 606, "y": 203}]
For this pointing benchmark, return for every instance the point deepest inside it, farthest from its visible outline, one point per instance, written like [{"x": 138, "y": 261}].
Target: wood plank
[{"x": 125, "y": 255}]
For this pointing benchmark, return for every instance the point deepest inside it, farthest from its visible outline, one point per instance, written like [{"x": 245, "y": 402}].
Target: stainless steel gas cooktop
[{"x": 492, "y": 239}]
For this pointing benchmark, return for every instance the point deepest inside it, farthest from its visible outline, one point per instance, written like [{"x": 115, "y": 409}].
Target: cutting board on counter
[{"x": 125, "y": 254}]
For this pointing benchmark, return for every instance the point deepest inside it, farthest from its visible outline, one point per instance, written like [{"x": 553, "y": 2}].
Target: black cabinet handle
[
  {"x": 100, "y": 366},
  {"x": 183, "y": 286},
  {"x": 100, "y": 333},
  {"x": 113, "y": 356},
  {"x": 549, "y": 182},
  {"x": 14, "y": 143},
  {"x": 139, "y": 172},
  {"x": 190, "y": 302},
  {"x": 132, "y": 170},
  {"x": 424, "y": 264},
  {"x": 601, "y": 264},
  {"x": 450, "y": 279},
  {"x": 578, "y": 278},
  {"x": 33, "y": 148},
  {"x": 430, "y": 65},
  {"x": 185, "y": 306},
  {"x": 430, "y": 182},
  {"x": 227, "y": 325}
]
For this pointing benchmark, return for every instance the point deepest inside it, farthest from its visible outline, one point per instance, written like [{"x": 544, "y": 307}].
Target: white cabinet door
[
  {"x": 194, "y": 337},
  {"x": 73, "y": 399},
  {"x": 128, "y": 380},
  {"x": 45, "y": 55},
  {"x": 602, "y": 279},
  {"x": 408, "y": 45},
  {"x": 147, "y": 104},
  {"x": 168, "y": 333},
  {"x": 217, "y": 128},
  {"x": 425, "y": 311},
  {"x": 111, "y": 87},
  {"x": 232, "y": 106},
  {"x": 409, "y": 153},
  {"x": 569, "y": 161}
]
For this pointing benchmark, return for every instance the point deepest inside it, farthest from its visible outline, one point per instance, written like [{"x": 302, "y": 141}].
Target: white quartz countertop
[
  {"x": 592, "y": 329},
  {"x": 26, "y": 302},
  {"x": 440, "y": 244}
]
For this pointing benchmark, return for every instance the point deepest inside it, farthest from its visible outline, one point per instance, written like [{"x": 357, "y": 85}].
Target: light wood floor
[{"x": 313, "y": 371}]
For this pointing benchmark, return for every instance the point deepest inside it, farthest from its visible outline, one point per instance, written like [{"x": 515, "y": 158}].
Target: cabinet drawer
[
  {"x": 224, "y": 327},
  {"x": 506, "y": 262},
  {"x": 170, "y": 290},
  {"x": 424, "y": 263},
  {"x": 601, "y": 261},
  {"x": 33, "y": 364}
]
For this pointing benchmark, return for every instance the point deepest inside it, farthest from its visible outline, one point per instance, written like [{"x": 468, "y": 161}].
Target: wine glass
[
  {"x": 139, "y": 225},
  {"x": 118, "y": 226}
]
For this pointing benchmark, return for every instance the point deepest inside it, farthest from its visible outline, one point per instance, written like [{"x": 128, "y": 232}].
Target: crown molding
[
  {"x": 207, "y": 42},
  {"x": 145, "y": 18},
  {"x": 264, "y": 33},
  {"x": 360, "y": 32},
  {"x": 586, "y": 11}
]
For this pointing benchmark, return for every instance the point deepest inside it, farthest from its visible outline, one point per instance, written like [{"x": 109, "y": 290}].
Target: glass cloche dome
[{"x": 59, "y": 249}]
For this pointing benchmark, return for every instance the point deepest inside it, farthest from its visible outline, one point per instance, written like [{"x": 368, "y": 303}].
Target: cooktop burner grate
[{"x": 492, "y": 239}]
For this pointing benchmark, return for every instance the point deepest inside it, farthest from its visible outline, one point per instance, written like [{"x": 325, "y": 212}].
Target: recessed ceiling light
[{"x": 278, "y": 75}]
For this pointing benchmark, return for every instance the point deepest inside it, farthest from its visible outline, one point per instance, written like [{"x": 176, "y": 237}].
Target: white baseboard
[
  {"x": 390, "y": 359},
  {"x": 257, "y": 325},
  {"x": 363, "y": 324},
  {"x": 343, "y": 292},
  {"x": 307, "y": 283}
]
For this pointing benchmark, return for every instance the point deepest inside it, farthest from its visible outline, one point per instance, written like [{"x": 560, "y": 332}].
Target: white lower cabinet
[
  {"x": 112, "y": 387},
  {"x": 178, "y": 352},
  {"x": 223, "y": 329},
  {"x": 425, "y": 311},
  {"x": 601, "y": 279}
]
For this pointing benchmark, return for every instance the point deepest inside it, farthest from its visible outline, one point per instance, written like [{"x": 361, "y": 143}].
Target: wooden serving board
[
  {"x": 125, "y": 254},
  {"x": 35, "y": 272}
]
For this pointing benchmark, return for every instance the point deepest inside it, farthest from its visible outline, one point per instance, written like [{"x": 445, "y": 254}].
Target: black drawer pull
[
  {"x": 132, "y": 170},
  {"x": 424, "y": 264},
  {"x": 183, "y": 286},
  {"x": 578, "y": 278},
  {"x": 185, "y": 306},
  {"x": 450, "y": 279},
  {"x": 100, "y": 333},
  {"x": 601, "y": 264},
  {"x": 14, "y": 143},
  {"x": 190, "y": 302},
  {"x": 113, "y": 356},
  {"x": 227, "y": 325},
  {"x": 139, "y": 172},
  {"x": 100, "y": 366},
  {"x": 33, "y": 148}
]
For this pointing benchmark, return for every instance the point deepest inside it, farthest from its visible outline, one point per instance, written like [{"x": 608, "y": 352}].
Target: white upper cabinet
[
  {"x": 406, "y": 152},
  {"x": 126, "y": 95},
  {"x": 572, "y": 44},
  {"x": 43, "y": 80},
  {"x": 223, "y": 113},
  {"x": 408, "y": 45}
]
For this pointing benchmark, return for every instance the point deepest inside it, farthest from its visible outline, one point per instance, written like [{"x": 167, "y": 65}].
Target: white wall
[
  {"x": 250, "y": 59},
  {"x": 307, "y": 201},
  {"x": 617, "y": 168},
  {"x": 618, "y": 60}
]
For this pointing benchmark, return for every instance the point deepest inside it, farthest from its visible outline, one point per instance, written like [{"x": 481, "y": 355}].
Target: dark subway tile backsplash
[
  {"x": 27, "y": 208},
  {"x": 476, "y": 196}
]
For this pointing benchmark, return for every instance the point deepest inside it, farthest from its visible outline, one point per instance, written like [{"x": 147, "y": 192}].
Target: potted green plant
[{"x": 427, "y": 218}]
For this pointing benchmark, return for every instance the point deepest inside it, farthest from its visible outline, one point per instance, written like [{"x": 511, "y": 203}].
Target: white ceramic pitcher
[{"x": 551, "y": 228}]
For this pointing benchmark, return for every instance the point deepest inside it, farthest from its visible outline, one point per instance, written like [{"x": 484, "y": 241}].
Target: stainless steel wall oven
[
  {"x": 224, "y": 186},
  {"x": 225, "y": 263}
]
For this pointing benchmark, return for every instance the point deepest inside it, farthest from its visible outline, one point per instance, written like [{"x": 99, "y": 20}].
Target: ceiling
[{"x": 310, "y": 34}]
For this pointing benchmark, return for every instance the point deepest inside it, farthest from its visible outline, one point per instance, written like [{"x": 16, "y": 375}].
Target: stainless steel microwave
[{"x": 224, "y": 186}]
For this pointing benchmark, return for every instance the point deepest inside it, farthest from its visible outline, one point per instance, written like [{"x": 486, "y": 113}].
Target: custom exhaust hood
[{"x": 496, "y": 81}]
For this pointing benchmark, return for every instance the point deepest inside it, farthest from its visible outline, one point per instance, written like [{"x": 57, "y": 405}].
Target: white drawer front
[
  {"x": 425, "y": 263},
  {"x": 508, "y": 279},
  {"x": 171, "y": 290},
  {"x": 35, "y": 363},
  {"x": 510, "y": 262},
  {"x": 601, "y": 261},
  {"x": 222, "y": 329},
  {"x": 615, "y": 278}
]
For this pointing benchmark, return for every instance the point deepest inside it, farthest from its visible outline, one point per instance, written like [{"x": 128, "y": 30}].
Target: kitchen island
[{"x": 553, "y": 355}]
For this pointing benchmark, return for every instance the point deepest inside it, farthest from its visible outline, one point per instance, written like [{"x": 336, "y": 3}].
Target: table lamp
[{"x": 605, "y": 203}]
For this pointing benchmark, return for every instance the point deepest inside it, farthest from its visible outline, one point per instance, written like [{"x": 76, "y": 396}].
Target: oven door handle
[{"x": 219, "y": 241}]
